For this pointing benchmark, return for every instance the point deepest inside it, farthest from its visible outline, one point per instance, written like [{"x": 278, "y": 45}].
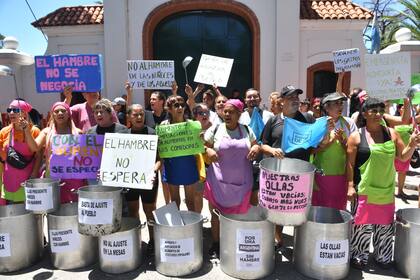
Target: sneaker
[{"x": 214, "y": 250}]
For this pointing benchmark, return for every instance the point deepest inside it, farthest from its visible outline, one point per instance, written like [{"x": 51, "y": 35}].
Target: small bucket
[{"x": 42, "y": 195}]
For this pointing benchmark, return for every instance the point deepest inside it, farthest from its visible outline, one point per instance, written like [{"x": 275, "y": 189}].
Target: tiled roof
[
  {"x": 78, "y": 15},
  {"x": 309, "y": 9},
  {"x": 341, "y": 9}
]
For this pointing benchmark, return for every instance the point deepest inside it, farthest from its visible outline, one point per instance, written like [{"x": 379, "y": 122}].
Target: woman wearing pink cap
[
  {"x": 15, "y": 139},
  {"x": 231, "y": 147},
  {"x": 60, "y": 123}
]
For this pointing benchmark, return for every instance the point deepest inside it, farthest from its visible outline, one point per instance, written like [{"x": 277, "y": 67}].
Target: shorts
[
  {"x": 401, "y": 166},
  {"x": 147, "y": 196}
]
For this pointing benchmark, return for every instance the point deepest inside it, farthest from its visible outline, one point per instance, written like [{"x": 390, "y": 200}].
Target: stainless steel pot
[
  {"x": 21, "y": 239},
  {"x": 100, "y": 210},
  {"x": 247, "y": 244},
  {"x": 321, "y": 245},
  {"x": 407, "y": 240},
  {"x": 179, "y": 249},
  {"x": 69, "y": 249},
  {"x": 121, "y": 252},
  {"x": 286, "y": 190},
  {"x": 42, "y": 195}
]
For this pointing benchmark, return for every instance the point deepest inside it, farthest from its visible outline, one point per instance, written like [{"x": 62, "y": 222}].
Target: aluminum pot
[
  {"x": 407, "y": 238},
  {"x": 21, "y": 239},
  {"x": 321, "y": 245},
  {"x": 179, "y": 249},
  {"x": 247, "y": 244},
  {"x": 69, "y": 249},
  {"x": 286, "y": 190},
  {"x": 100, "y": 210},
  {"x": 42, "y": 195},
  {"x": 121, "y": 252}
]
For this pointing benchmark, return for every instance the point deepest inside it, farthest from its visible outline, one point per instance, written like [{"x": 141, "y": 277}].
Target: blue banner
[
  {"x": 297, "y": 134},
  {"x": 256, "y": 123},
  {"x": 82, "y": 71}
]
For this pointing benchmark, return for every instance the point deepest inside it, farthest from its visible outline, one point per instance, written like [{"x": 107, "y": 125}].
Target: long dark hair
[{"x": 369, "y": 103}]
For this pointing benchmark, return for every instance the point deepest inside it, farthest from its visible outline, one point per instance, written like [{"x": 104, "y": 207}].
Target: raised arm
[{"x": 129, "y": 91}]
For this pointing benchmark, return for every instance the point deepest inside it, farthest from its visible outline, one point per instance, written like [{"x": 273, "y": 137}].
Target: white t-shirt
[{"x": 214, "y": 136}]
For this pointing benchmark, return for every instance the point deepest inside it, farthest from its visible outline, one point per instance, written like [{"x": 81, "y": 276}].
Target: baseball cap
[
  {"x": 288, "y": 90},
  {"x": 119, "y": 101},
  {"x": 333, "y": 97}
]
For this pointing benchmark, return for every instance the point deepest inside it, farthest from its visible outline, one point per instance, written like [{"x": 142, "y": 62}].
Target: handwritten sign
[
  {"x": 284, "y": 193},
  {"x": 5, "y": 245},
  {"x": 346, "y": 60},
  {"x": 181, "y": 139},
  {"x": 81, "y": 71},
  {"x": 248, "y": 249},
  {"x": 176, "y": 250},
  {"x": 75, "y": 156},
  {"x": 213, "y": 70},
  {"x": 64, "y": 240},
  {"x": 39, "y": 199},
  {"x": 95, "y": 211},
  {"x": 331, "y": 252},
  {"x": 115, "y": 248},
  {"x": 151, "y": 74},
  {"x": 128, "y": 160},
  {"x": 388, "y": 75}
]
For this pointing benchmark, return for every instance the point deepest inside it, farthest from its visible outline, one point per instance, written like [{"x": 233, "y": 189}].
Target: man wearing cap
[{"x": 119, "y": 106}]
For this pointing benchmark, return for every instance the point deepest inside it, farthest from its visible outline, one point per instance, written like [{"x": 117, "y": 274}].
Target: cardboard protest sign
[
  {"x": 213, "y": 70},
  {"x": 128, "y": 160},
  {"x": 346, "y": 60},
  {"x": 82, "y": 71},
  {"x": 180, "y": 139},
  {"x": 151, "y": 74},
  {"x": 75, "y": 156},
  {"x": 387, "y": 75}
]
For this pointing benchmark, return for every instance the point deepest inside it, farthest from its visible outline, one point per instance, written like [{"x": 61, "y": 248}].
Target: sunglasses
[
  {"x": 203, "y": 113},
  {"x": 14, "y": 110},
  {"x": 178, "y": 105},
  {"x": 63, "y": 111}
]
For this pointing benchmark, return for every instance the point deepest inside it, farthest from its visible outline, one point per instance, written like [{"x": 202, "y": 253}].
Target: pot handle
[
  {"x": 62, "y": 184},
  {"x": 151, "y": 223},
  {"x": 319, "y": 171},
  {"x": 216, "y": 212},
  {"x": 402, "y": 222},
  {"x": 74, "y": 191},
  {"x": 205, "y": 219},
  {"x": 125, "y": 190},
  {"x": 142, "y": 225}
]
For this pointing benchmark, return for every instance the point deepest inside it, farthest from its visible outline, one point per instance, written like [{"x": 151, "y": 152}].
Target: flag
[
  {"x": 256, "y": 123},
  {"x": 297, "y": 134}
]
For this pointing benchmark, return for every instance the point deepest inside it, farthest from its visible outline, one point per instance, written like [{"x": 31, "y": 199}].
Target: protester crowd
[{"x": 366, "y": 143}]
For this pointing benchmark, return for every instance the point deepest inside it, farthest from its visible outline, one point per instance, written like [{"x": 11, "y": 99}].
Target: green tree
[
  {"x": 1, "y": 43},
  {"x": 408, "y": 17}
]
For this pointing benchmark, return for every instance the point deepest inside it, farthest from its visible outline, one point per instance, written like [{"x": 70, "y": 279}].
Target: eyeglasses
[
  {"x": 376, "y": 111},
  {"x": 14, "y": 110},
  {"x": 203, "y": 113},
  {"x": 178, "y": 105}
]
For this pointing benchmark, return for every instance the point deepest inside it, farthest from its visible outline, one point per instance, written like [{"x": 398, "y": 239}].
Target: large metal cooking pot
[
  {"x": 100, "y": 210},
  {"x": 179, "y": 249},
  {"x": 120, "y": 252},
  {"x": 321, "y": 245},
  {"x": 21, "y": 239},
  {"x": 407, "y": 239},
  {"x": 286, "y": 190},
  {"x": 247, "y": 244},
  {"x": 69, "y": 249},
  {"x": 42, "y": 195}
]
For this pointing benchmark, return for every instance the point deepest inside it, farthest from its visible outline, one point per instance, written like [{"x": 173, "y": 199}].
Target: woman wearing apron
[
  {"x": 17, "y": 135},
  {"x": 370, "y": 169},
  {"x": 330, "y": 189},
  {"x": 231, "y": 147}
]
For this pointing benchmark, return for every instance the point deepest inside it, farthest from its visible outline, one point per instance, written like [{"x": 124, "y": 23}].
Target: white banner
[
  {"x": 39, "y": 199},
  {"x": 176, "y": 250},
  {"x": 248, "y": 249},
  {"x": 346, "y": 60},
  {"x": 388, "y": 75},
  {"x": 128, "y": 160},
  {"x": 213, "y": 70},
  {"x": 5, "y": 245},
  {"x": 332, "y": 252},
  {"x": 115, "y": 248},
  {"x": 151, "y": 74},
  {"x": 64, "y": 240},
  {"x": 95, "y": 211}
]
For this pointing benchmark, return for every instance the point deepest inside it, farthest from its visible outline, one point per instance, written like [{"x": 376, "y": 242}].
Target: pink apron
[{"x": 229, "y": 180}]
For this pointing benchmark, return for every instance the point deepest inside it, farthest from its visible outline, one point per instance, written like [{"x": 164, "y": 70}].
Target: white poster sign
[
  {"x": 346, "y": 60},
  {"x": 64, "y": 240},
  {"x": 39, "y": 199},
  {"x": 248, "y": 249},
  {"x": 387, "y": 75},
  {"x": 332, "y": 252},
  {"x": 177, "y": 250},
  {"x": 95, "y": 211},
  {"x": 116, "y": 249},
  {"x": 151, "y": 74},
  {"x": 213, "y": 70},
  {"x": 5, "y": 245},
  {"x": 128, "y": 160}
]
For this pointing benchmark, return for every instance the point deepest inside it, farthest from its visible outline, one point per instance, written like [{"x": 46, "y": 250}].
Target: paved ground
[{"x": 211, "y": 268}]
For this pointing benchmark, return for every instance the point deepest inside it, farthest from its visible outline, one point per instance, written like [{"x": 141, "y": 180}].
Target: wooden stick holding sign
[
  {"x": 128, "y": 160},
  {"x": 213, "y": 70}
]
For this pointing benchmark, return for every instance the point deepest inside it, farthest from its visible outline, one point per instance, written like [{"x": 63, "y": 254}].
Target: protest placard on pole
[
  {"x": 346, "y": 60},
  {"x": 75, "y": 156},
  {"x": 387, "y": 75},
  {"x": 81, "y": 71},
  {"x": 213, "y": 70},
  {"x": 128, "y": 160},
  {"x": 151, "y": 74},
  {"x": 180, "y": 139}
]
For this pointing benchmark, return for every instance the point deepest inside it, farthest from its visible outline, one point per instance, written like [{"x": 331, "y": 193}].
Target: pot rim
[
  {"x": 105, "y": 189},
  {"x": 181, "y": 212},
  {"x": 398, "y": 216},
  {"x": 312, "y": 171},
  {"x": 134, "y": 224},
  {"x": 347, "y": 213}
]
